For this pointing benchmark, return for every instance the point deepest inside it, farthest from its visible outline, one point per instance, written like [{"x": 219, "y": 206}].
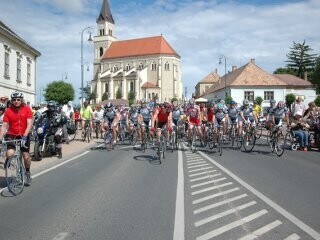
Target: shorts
[
  {"x": 161, "y": 124},
  {"x": 195, "y": 121},
  {"x": 11, "y": 145}
]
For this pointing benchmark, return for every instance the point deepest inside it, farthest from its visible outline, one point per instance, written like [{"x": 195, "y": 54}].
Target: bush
[
  {"x": 317, "y": 101},
  {"x": 259, "y": 100}
]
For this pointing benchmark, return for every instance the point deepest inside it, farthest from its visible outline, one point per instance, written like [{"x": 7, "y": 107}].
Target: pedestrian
[
  {"x": 68, "y": 111},
  {"x": 298, "y": 107},
  {"x": 17, "y": 121}
]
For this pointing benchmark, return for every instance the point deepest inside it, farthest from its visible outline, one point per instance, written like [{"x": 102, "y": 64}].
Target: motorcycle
[{"x": 44, "y": 144}]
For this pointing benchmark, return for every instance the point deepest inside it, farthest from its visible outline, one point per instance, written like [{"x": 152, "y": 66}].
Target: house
[
  {"x": 251, "y": 81},
  {"x": 149, "y": 67},
  {"x": 18, "y": 64},
  {"x": 206, "y": 83}
]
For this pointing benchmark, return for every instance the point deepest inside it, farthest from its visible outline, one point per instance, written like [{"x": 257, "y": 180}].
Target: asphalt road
[{"x": 127, "y": 194}]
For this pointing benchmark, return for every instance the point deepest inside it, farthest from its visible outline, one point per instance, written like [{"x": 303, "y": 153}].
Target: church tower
[{"x": 104, "y": 38}]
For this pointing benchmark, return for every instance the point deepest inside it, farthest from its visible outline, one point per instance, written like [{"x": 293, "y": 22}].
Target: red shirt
[
  {"x": 210, "y": 114},
  {"x": 76, "y": 115},
  {"x": 163, "y": 116},
  {"x": 17, "y": 119}
]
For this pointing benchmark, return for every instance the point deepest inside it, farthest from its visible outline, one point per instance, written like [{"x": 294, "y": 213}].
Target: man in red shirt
[{"x": 18, "y": 120}]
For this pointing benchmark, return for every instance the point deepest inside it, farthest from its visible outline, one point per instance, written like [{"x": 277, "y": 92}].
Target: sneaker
[
  {"x": 28, "y": 178},
  {"x": 305, "y": 149}
]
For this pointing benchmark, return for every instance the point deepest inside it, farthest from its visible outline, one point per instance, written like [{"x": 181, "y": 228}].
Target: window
[
  {"x": 153, "y": 66},
  {"x": 115, "y": 68},
  {"x": 166, "y": 66},
  {"x": 110, "y": 32},
  {"x": 268, "y": 95},
  {"x": 128, "y": 67},
  {"x": 28, "y": 74},
  {"x": 101, "y": 51},
  {"x": 107, "y": 87},
  {"x": 131, "y": 86},
  {"x": 18, "y": 70},
  {"x": 140, "y": 67},
  {"x": 6, "y": 65},
  {"x": 249, "y": 95}
]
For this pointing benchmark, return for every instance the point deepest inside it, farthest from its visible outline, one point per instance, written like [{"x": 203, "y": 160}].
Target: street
[{"x": 128, "y": 194}]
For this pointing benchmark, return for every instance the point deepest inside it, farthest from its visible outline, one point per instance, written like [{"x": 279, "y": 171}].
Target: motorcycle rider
[{"x": 56, "y": 121}]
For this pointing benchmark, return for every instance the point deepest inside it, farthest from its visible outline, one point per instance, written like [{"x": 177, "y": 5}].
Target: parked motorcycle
[{"x": 44, "y": 144}]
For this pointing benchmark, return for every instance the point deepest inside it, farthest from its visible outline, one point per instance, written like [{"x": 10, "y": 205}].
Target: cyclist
[
  {"x": 98, "y": 117},
  {"x": 67, "y": 109},
  {"x": 270, "y": 113},
  {"x": 257, "y": 108},
  {"x": 221, "y": 119},
  {"x": 145, "y": 116},
  {"x": 17, "y": 123},
  {"x": 246, "y": 115},
  {"x": 124, "y": 116},
  {"x": 133, "y": 120},
  {"x": 110, "y": 119},
  {"x": 233, "y": 114},
  {"x": 193, "y": 114},
  {"x": 86, "y": 114},
  {"x": 278, "y": 113},
  {"x": 162, "y": 117},
  {"x": 3, "y": 107}
]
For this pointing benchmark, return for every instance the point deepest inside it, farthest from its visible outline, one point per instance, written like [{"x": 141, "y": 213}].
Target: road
[{"x": 127, "y": 194}]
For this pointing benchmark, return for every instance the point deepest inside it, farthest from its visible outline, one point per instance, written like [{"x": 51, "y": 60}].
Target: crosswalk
[{"x": 223, "y": 209}]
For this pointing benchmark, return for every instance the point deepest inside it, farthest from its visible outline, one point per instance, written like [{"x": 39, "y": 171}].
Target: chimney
[
  {"x": 306, "y": 76},
  {"x": 252, "y": 60},
  {"x": 234, "y": 68},
  {"x": 216, "y": 71}
]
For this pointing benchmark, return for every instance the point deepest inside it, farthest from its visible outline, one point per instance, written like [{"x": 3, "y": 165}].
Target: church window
[
  {"x": 110, "y": 32},
  {"x": 29, "y": 74},
  {"x": 140, "y": 67},
  {"x": 166, "y": 66},
  {"x": 6, "y": 64},
  {"x": 107, "y": 87},
  {"x": 128, "y": 67},
  {"x": 153, "y": 66},
  {"x": 101, "y": 51},
  {"x": 18, "y": 70},
  {"x": 115, "y": 68},
  {"x": 131, "y": 86}
]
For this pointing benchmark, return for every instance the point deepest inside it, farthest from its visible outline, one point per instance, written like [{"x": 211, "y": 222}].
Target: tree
[
  {"x": 228, "y": 99},
  {"x": 259, "y": 100},
  {"x": 290, "y": 98},
  {"x": 315, "y": 77},
  {"x": 131, "y": 97},
  {"x": 300, "y": 59},
  {"x": 283, "y": 70},
  {"x": 105, "y": 96},
  {"x": 59, "y": 91},
  {"x": 118, "y": 94},
  {"x": 317, "y": 101},
  {"x": 86, "y": 91}
]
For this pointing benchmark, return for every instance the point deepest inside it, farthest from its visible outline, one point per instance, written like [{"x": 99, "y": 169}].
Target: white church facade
[{"x": 148, "y": 67}]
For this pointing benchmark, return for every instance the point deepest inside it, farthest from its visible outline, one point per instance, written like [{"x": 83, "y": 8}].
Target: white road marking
[
  {"x": 211, "y": 188},
  {"x": 223, "y": 214},
  {"x": 202, "y": 173},
  {"x": 61, "y": 236},
  {"x": 179, "y": 226},
  {"x": 206, "y": 177},
  {"x": 195, "y": 160},
  {"x": 261, "y": 231},
  {"x": 313, "y": 233},
  {"x": 200, "y": 165},
  {"x": 214, "y": 195},
  {"x": 218, "y": 204},
  {"x": 208, "y": 182},
  {"x": 232, "y": 225},
  {"x": 200, "y": 169},
  {"x": 293, "y": 237},
  {"x": 196, "y": 163}
]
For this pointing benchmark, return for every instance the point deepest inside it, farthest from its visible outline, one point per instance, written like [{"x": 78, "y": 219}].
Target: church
[{"x": 148, "y": 67}]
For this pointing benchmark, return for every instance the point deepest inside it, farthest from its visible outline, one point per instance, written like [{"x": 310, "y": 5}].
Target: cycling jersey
[
  {"x": 233, "y": 114},
  {"x": 109, "y": 115},
  {"x": 146, "y": 114},
  {"x": 86, "y": 113},
  {"x": 210, "y": 114},
  {"x": 134, "y": 117},
  {"x": 247, "y": 113}
]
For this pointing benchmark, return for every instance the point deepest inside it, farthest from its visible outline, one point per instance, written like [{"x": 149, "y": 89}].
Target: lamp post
[
  {"x": 89, "y": 30},
  {"x": 225, "y": 73},
  {"x": 64, "y": 76}
]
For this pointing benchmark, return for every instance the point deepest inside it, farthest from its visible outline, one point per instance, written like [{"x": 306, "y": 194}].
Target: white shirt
[{"x": 67, "y": 110}]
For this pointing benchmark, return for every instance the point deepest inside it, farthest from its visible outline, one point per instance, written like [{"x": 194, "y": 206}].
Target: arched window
[
  {"x": 153, "y": 66},
  {"x": 140, "y": 66},
  {"x": 166, "y": 66},
  {"x": 101, "y": 51},
  {"x": 128, "y": 67},
  {"x": 115, "y": 68},
  {"x": 131, "y": 87}
]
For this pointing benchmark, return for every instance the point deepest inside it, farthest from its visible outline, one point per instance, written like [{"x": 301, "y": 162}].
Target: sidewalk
[{"x": 68, "y": 150}]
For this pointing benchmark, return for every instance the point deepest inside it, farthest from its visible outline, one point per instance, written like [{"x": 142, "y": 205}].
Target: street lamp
[
  {"x": 64, "y": 76},
  {"x": 225, "y": 73},
  {"x": 89, "y": 30}
]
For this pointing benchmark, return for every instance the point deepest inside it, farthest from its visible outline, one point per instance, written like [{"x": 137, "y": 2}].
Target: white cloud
[{"x": 198, "y": 30}]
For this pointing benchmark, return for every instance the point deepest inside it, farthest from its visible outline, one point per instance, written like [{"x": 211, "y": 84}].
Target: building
[
  {"x": 250, "y": 81},
  {"x": 149, "y": 67},
  {"x": 207, "y": 82},
  {"x": 18, "y": 64}
]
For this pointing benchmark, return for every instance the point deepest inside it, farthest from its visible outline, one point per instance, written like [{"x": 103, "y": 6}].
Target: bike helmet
[
  {"x": 245, "y": 102},
  {"x": 280, "y": 104},
  {"x": 220, "y": 106},
  {"x": 272, "y": 101},
  {"x": 232, "y": 102},
  {"x": 109, "y": 105},
  {"x": 16, "y": 94},
  {"x": 51, "y": 105},
  {"x": 3, "y": 106}
]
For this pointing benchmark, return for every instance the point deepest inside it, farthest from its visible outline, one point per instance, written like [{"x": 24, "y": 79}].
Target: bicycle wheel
[
  {"x": 159, "y": 151},
  {"x": 220, "y": 142},
  {"x": 279, "y": 145},
  {"x": 249, "y": 141},
  {"x": 172, "y": 140},
  {"x": 134, "y": 137},
  {"x": 232, "y": 136},
  {"x": 239, "y": 141},
  {"x": 258, "y": 131},
  {"x": 14, "y": 175},
  {"x": 164, "y": 147},
  {"x": 193, "y": 142},
  {"x": 210, "y": 140},
  {"x": 289, "y": 142},
  {"x": 72, "y": 136}
]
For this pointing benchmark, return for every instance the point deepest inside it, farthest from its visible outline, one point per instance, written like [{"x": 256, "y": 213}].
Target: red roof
[
  {"x": 139, "y": 47},
  {"x": 149, "y": 85}
]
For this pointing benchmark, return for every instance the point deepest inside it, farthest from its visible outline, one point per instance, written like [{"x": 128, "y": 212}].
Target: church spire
[{"x": 105, "y": 13}]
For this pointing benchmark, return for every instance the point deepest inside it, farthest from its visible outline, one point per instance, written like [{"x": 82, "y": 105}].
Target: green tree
[
  {"x": 315, "y": 77},
  {"x": 259, "y": 100},
  {"x": 300, "y": 59},
  {"x": 118, "y": 94},
  {"x": 59, "y": 91},
  {"x": 283, "y": 70},
  {"x": 228, "y": 99},
  {"x": 131, "y": 97},
  {"x": 105, "y": 96},
  {"x": 92, "y": 96},
  {"x": 290, "y": 98},
  {"x": 317, "y": 101}
]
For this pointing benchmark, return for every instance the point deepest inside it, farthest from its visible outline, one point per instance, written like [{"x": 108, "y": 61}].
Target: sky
[{"x": 199, "y": 30}]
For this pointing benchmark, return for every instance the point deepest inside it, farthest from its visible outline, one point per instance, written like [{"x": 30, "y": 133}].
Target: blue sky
[{"x": 198, "y": 30}]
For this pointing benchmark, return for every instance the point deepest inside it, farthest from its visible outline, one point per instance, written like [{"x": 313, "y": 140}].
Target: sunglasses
[{"x": 16, "y": 100}]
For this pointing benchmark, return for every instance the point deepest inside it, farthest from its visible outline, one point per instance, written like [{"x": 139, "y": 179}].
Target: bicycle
[
  {"x": 133, "y": 135},
  {"x": 162, "y": 144},
  {"x": 108, "y": 138},
  {"x": 97, "y": 129},
  {"x": 220, "y": 139},
  {"x": 233, "y": 134},
  {"x": 277, "y": 141},
  {"x": 249, "y": 138},
  {"x": 14, "y": 168},
  {"x": 86, "y": 135}
]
